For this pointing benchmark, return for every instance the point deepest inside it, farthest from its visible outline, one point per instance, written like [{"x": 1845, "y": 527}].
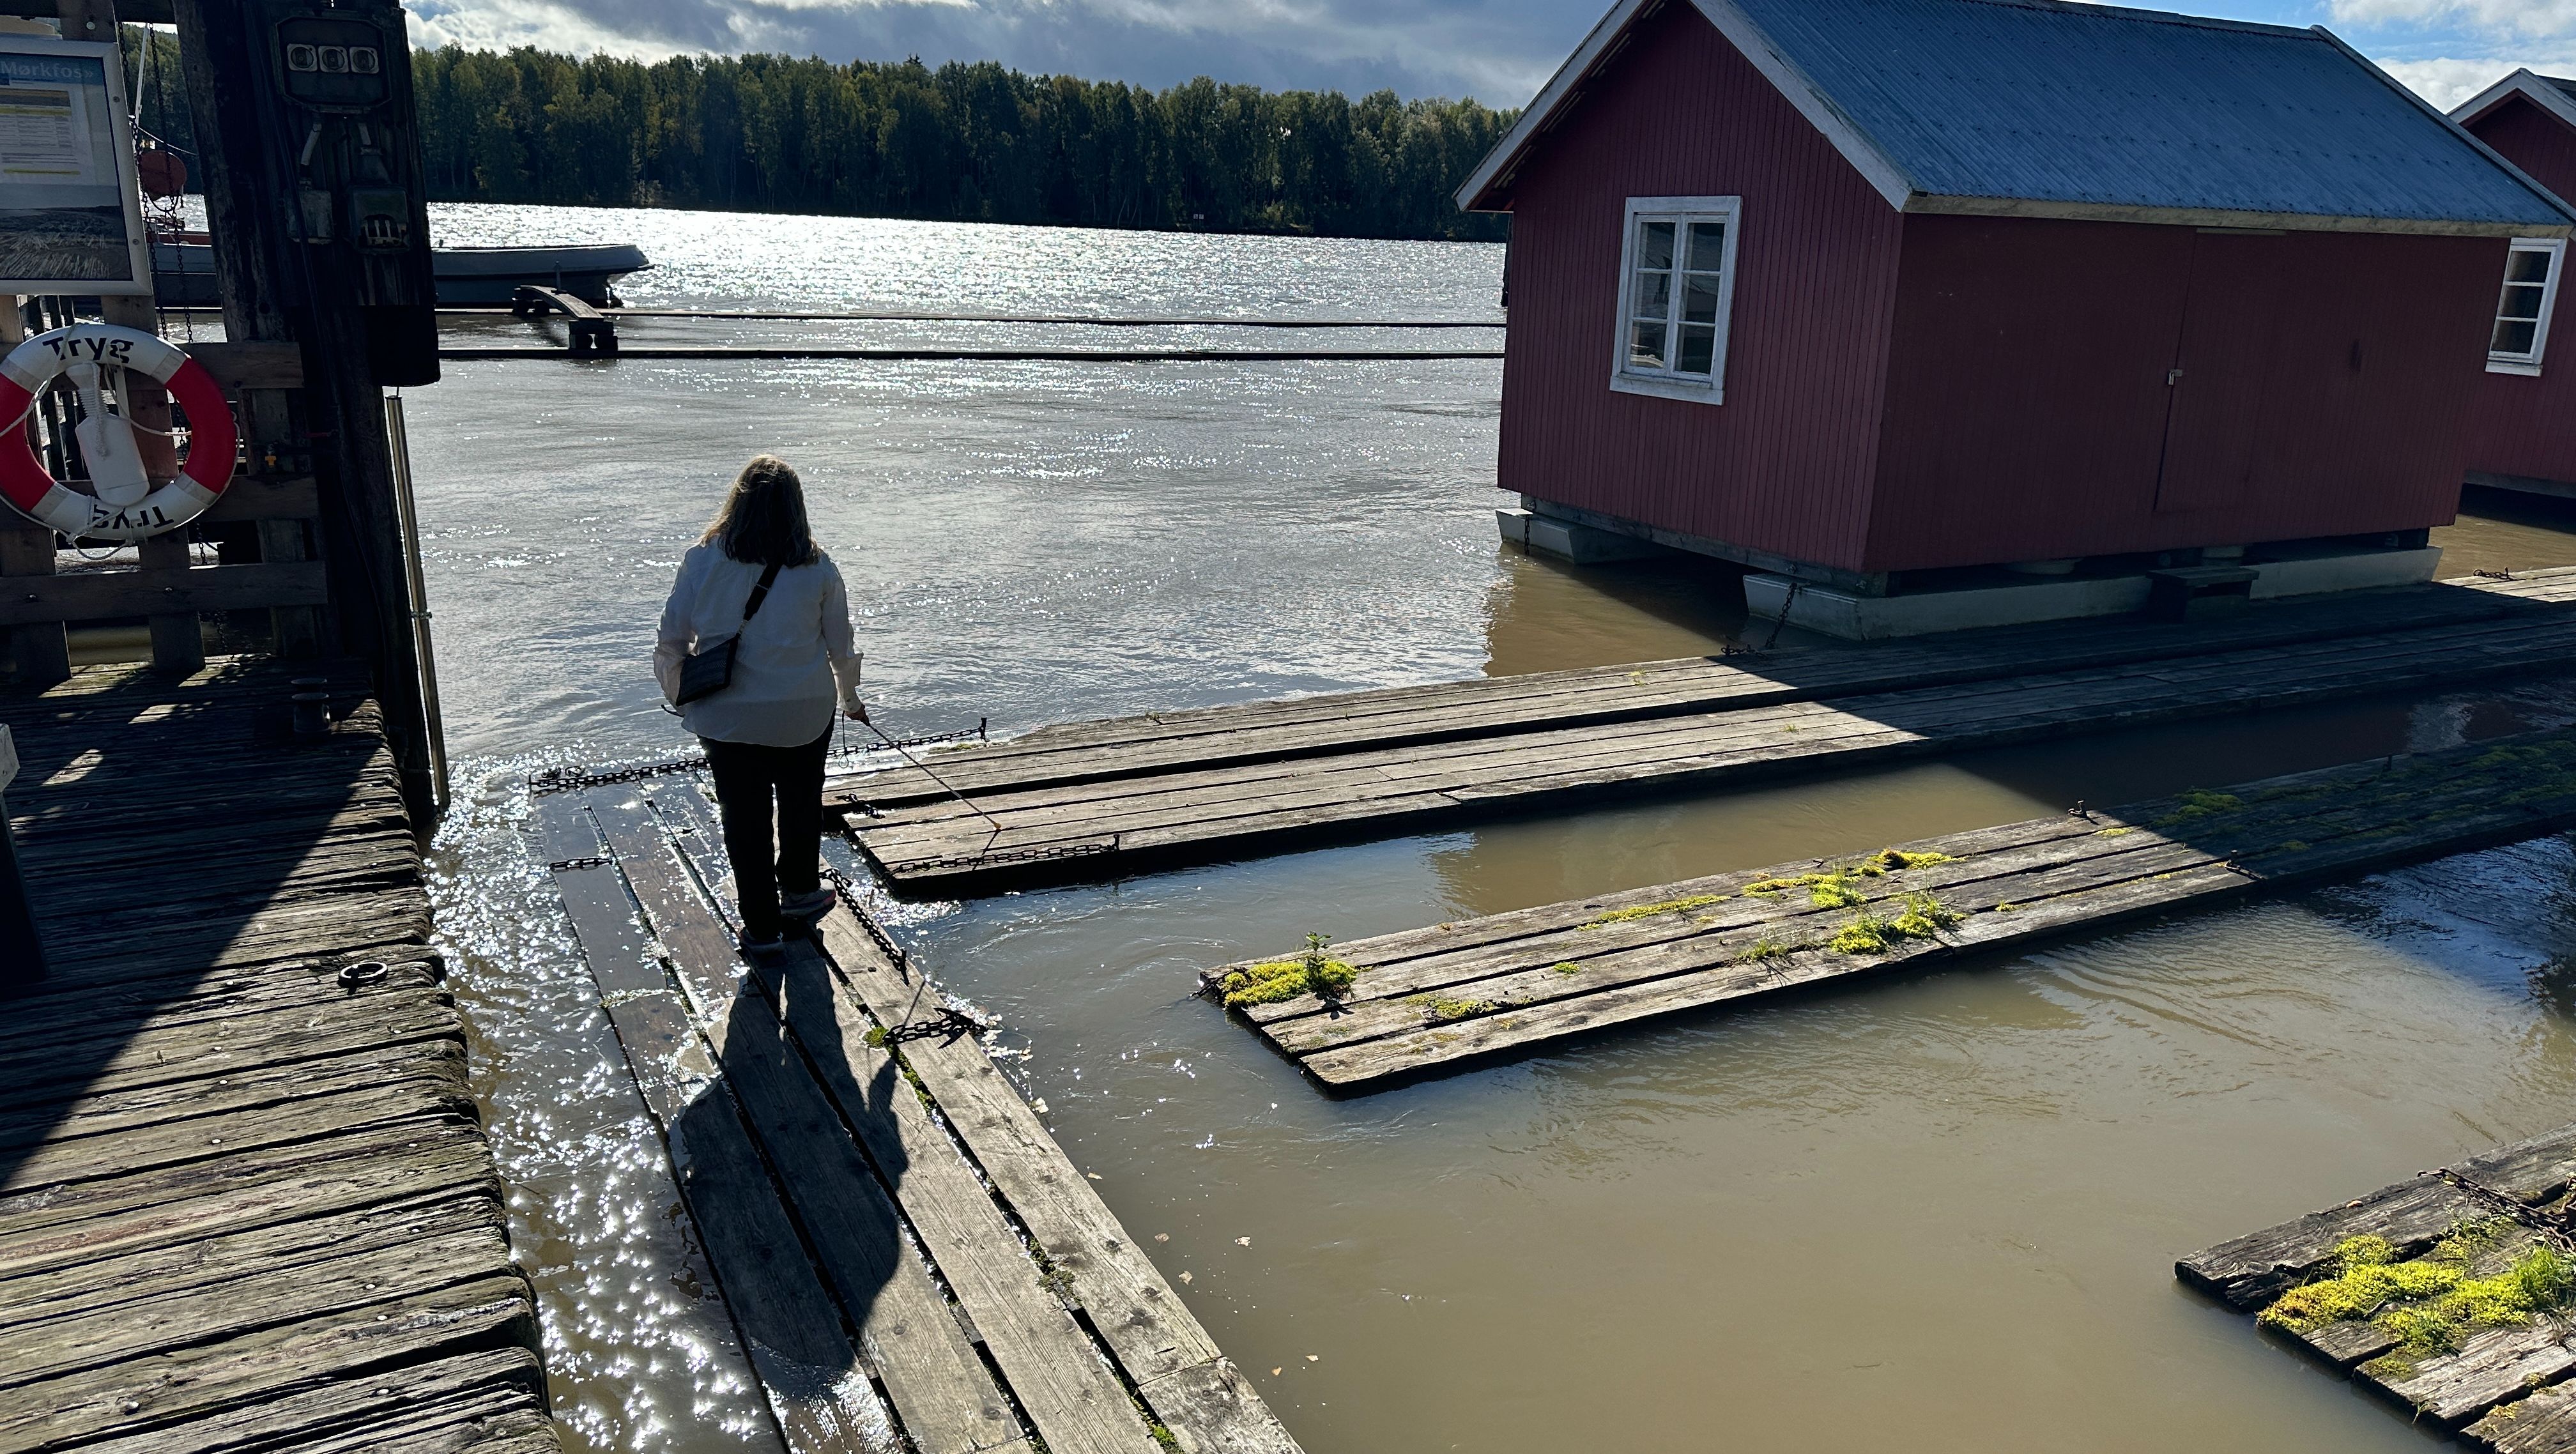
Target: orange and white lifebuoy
[{"x": 127, "y": 506}]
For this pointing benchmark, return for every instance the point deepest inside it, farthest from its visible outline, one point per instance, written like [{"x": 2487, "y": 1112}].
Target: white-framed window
[
  {"x": 1676, "y": 292},
  {"x": 2522, "y": 313}
]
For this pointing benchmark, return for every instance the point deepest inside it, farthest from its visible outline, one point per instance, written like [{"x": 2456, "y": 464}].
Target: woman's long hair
[{"x": 763, "y": 517}]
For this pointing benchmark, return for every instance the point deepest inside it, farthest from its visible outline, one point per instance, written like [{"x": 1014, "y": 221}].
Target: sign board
[{"x": 71, "y": 216}]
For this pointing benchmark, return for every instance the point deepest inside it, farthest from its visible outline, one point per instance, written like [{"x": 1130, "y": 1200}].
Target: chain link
[
  {"x": 1012, "y": 855},
  {"x": 2552, "y": 1229},
  {"x": 567, "y": 865}
]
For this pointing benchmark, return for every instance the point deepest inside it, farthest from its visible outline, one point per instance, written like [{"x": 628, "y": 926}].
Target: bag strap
[{"x": 751, "y": 607}]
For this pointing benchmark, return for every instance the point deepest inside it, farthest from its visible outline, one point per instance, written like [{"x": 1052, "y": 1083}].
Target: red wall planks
[
  {"x": 2029, "y": 416},
  {"x": 2522, "y": 425},
  {"x": 1785, "y": 463}
]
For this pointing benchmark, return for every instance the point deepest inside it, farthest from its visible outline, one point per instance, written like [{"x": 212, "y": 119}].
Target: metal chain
[
  {"x": 1015, "y": 855},
  {"x": 951, "y": 1023},
  {"x": 2553, "y": 1230},
  {"x": 564, "y": 780},
  {"x": 559, "y": 780},
  {"x": 1795, "y": 586},
  {"x": 567, "y": 865}
]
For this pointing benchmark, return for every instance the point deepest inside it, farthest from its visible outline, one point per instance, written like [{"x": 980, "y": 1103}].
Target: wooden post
[
  {"x": 22, "y": 955},
  {"x": 268, "y": 278},
  {"x": 42, "y": 652}
]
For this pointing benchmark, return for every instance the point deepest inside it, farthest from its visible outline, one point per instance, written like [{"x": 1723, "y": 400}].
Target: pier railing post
[{"x": 22, "y": 955}]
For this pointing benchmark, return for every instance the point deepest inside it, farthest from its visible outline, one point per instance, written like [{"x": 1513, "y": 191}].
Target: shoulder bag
[{"x": 709, "y": 669}]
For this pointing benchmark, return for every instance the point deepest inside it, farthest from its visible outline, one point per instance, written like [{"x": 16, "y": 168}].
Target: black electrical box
[{"x": 342, "y": 144}]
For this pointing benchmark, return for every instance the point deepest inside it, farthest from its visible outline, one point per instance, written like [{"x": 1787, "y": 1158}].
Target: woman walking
[{"x": 755, "y": 650}]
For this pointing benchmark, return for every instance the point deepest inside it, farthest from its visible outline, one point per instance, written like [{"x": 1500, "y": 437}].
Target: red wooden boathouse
[
  {"x": 1881, "y": 295},
  {"x": 2522, "y": 428}
]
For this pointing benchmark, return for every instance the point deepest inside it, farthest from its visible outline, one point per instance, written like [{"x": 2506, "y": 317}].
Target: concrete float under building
[
  {"x": 1947, "y": 313},
  {"x": 2522, "y": 429}
]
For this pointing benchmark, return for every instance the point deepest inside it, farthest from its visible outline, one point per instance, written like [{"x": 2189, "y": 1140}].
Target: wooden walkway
[
  {"x": 913, "y": 1262},
  {"x": 1096, "y": 800},
  {"x": 1428, "y": 1000},
  {"x": 245, "y": 1202},
  {"x": 2498, "y": 1383}
]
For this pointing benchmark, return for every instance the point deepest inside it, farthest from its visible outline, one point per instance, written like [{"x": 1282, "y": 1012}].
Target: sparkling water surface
[{"x": 1938, "y": 1211}]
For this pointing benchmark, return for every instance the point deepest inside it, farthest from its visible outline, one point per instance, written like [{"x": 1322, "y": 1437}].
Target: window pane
[
  {"x": 2513, "y": 337},
  {"x": 1646, "y": 345},
  {"x": 2527, "y": 267},
  {"x": 1707, "y": 246},
  {"x": 1654, "y": 245},
  {"x": 1699, "y": 347},
  {"x": 1699, "y": 298},
  {"x": 2521, "y": 300},
  {"x": 1654, "y": 295}
]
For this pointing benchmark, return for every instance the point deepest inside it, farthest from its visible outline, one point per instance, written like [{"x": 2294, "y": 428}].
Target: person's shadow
[{"x": 791, "y": 1164}]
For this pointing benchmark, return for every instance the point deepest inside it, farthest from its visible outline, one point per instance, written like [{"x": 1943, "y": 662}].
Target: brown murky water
[{"x": 1932, "y": 1213}]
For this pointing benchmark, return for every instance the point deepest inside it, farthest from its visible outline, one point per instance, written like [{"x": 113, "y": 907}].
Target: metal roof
[{"x": 2035, "y": 108}]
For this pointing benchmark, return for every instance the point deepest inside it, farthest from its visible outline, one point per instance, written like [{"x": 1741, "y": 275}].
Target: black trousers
[{"x": 746, "y": 776}]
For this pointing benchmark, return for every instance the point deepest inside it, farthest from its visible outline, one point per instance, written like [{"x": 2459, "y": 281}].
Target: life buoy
[{"x": 25, "y": 482}]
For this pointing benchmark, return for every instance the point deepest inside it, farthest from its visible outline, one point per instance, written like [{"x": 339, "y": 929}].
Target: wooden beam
[
  {"x": 252, "y": 364},
  {"x": 31, "y": 600}
]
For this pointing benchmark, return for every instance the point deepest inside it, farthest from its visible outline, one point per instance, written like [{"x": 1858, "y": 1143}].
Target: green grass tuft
[
  {"x": 1311, "y": 973},
  {"x": 1648, "y": 911},
  {"x": 2200, "y": 803}
]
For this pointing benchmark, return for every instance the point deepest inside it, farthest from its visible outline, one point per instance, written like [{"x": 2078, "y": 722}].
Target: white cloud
[
  {"x": 2447, "y": 81},
  {"x": 1497, "y": 50},
  {"x": 2537, "y": 19}
]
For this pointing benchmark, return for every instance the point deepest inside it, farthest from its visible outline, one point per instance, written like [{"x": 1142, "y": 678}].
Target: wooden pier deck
[
  {"x": 913, "y": 1261},
  {"x": 1430, "y": 1000},
  {"x": 2499, "y": 1383},
  {"x": 245, "y": 1202},
  {"x": 1096, "y": 800}
]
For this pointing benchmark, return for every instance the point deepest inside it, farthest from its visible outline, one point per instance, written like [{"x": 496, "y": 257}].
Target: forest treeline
[{"x": 766, "y": 133}]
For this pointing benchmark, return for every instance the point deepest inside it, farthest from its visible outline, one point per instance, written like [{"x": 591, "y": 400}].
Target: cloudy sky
[{"x": 1498, "y": 51}]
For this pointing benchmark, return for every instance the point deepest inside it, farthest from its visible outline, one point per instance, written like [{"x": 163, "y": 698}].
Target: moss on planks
[{"x": 2430, "y": 1304}]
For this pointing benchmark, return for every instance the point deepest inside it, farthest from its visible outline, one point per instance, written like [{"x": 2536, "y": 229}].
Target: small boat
[{"x": 183, "y": 271}]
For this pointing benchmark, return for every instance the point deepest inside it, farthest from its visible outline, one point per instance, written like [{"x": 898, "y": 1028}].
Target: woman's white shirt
[{"x": 792, "y": 654}]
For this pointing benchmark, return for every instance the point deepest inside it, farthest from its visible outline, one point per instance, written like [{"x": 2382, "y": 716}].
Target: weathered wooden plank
[
  {"x": 1244, "y": 732},
  {"x": 948, "y": 1403},
  {"x": 1160, "y": 818},
  {"x": 97, "y": 595},
  {"x": 252, "y": 364},
  {"x": 433, "y": 1069},
  {"x": 1552, "y": 972},
  {"x": 59, "y": 1347},
  {"x": 371, "y": 1166},
  {"x": 2544, "y": 1423},
  {"x": 1071, "y": 1398},
  {"x": 133, "y": 1398},
  {"x": 474, "y": 1403},
  {"x": 2490, "y": 1368},
  {"x": 939, "y": 1386},
  {"x": 790, "y": 1326},
  {"x": 376, "y": 1023},
  {"x": 1147, "y": 1327},
  {"x": 224, "y": 1258}
]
